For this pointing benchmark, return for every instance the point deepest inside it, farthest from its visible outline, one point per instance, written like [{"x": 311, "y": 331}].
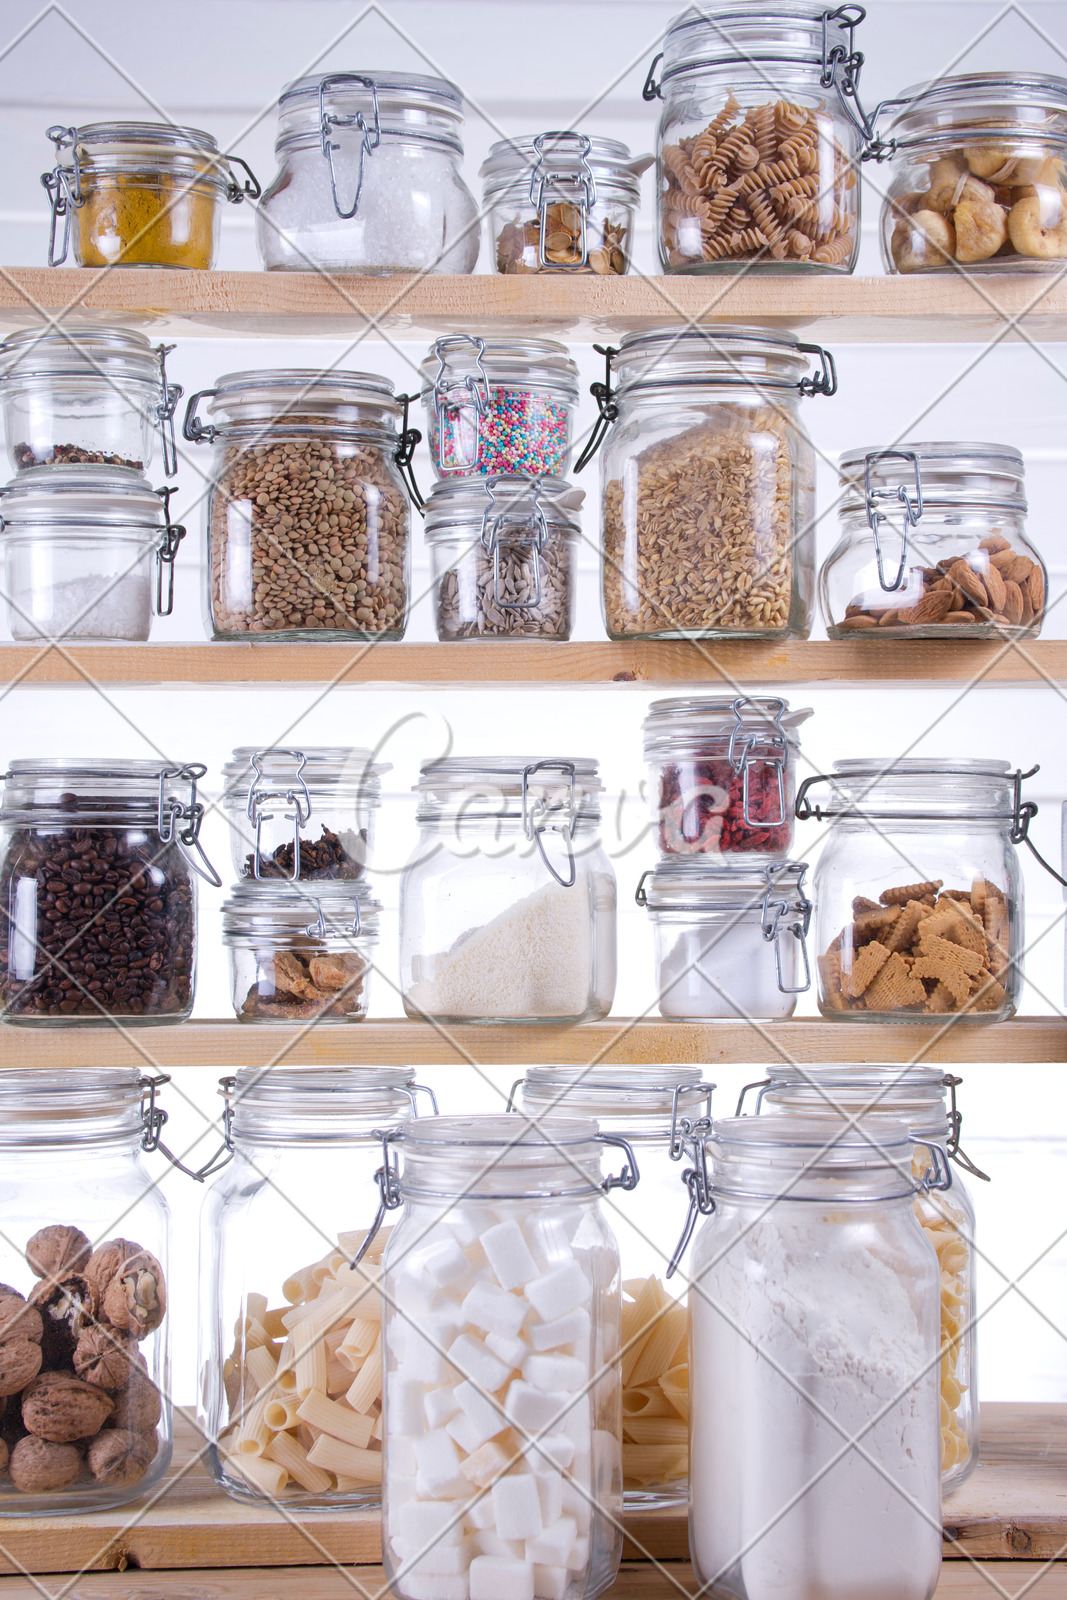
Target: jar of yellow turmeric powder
[{"x": 140, "y": 194}]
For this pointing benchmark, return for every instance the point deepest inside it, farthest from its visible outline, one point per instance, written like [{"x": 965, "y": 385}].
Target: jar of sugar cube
[
  {"x": 499, "y": 408},
  {"x": 658, "y": 1110},
  {"x": 290, "y": 1311},
  {"x": 502, "y": 1289},
  {"x": 507, "y": 905},
  {"x": 730, "y": 941}
]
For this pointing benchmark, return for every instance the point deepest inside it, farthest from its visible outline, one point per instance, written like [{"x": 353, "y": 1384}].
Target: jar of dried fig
[
  {"x": 85, "y": 1415},
  {"x": 300, "y": 952},
  {"x": 308, "y": 519}
]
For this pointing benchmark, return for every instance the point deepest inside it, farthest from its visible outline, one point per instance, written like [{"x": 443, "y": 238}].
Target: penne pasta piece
[
  {"x": 288, "y": 1453},
  {"x": 318, "y": 1411},
  {"x": 347, "y": 1460}
]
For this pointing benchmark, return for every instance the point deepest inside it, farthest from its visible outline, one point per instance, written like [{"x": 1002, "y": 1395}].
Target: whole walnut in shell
[
  {"x": 103, "y": 1356},
  {"x": 61, "y": 1408},
  {"x": 138, "y": 1406},
  {"x": 106, "y": 1260},
  {"x": 136, "y": 1298},
  {"x": 57, "y": 1251},
  {"x": 67, "y": 1307},
  {"x": 20, "y": 1362},
  {"x": 17, "y": 1319},
  {"x": 118, "y": 1456},
  {"x": 37, "y": 1465}
]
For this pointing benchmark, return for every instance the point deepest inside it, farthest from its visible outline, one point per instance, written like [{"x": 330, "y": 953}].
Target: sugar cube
[
  {"x": 517, "y": 1507},
  {"x": 553, "y": 1546},
  {"x": 549, "y": 1492},
  {"x": 440, "y": 1405},
  {"x": 555, "y": 1372},
  {"x": 509, "y": 1256},
  {"x": 482, "y": 1416},
  {"x": 444, "y": 1263},
  {"x": 497, "y": 1578},
  {"x": 558, "y": 1291},
  {"x": 425, "y": 1522},
  {"x": 442, "y": 1588},
  {"x": 550, "y": 1583},
  {"x": 512, "y": 1352},
  {"x": 533, "y": 1409},
  {"x": 573, "y": 1328},
  {"x": 438, "y": 1463},
  {"x": 494, "y": 1310},
  {"x": 471, "y": 1357},
  {"x": 407, "y": 1409}
]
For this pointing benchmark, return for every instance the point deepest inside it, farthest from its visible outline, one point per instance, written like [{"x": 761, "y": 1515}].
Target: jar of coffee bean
[
  {"x": 98, "y": 891},
  {"x": 308, "y": 516}
]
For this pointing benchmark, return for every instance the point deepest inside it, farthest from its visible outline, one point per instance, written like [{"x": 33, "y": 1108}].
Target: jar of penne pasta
[
  {"x": 656, "y": 1109},
  {"x": 290, "y": 1355},
  {"x": 924, "y": 1098}
]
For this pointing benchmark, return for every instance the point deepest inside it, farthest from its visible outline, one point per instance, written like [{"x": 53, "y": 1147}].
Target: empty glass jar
[
  {"x": 306, "y": 813},
  {"x": 562, "y": 202},
  {"x": 496, "y": 408},
  {"x": 300, "y": 952}
]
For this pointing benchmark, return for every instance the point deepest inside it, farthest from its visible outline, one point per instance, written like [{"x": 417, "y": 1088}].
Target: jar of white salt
[
  {"x": 507, "y": 905},
  {"x": 815, "y": 1463},
  {"x": 730, "y": 942}
]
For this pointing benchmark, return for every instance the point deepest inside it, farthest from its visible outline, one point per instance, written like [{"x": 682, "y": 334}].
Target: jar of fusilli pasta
[{"x": 759, "y": 139}]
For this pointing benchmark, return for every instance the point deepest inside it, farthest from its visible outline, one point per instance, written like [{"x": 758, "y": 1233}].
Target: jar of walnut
[
  {"x": 758, "y": 144},
  {"x": 708, "y": 480}
]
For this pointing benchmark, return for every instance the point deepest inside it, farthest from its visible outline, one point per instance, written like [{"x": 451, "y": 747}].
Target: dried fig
[
  {"x": 67, "y": 1307},
  {"x": 118, "y": 1456},
  {"x": 58, "y": 1251},
  {"x": 17, "y": 1319},
  {"x": 138, "y": 1406},
  {"x": 59, "y": 1407},
  {"x": 20, "y": 1362},
  {"x": 981, "y": 229},
  {"x": 106, "y": 1260},
  {"x": 136, "y": 1297},
  {"x": 103, "y": 1357},
  {"x": 37, "y": 1466}
]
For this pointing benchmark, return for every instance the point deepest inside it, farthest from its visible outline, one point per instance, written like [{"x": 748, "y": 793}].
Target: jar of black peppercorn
[{"x": 98, "y": 891}]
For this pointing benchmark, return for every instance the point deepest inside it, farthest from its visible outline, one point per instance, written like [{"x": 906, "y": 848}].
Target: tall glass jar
[
  {"x": 978, "y": 175},
  {"x": 369, "y": 177},
  {"x": 499, "y": 408},
  {"x": 290, "y": 1259},
  {"x": 658, "y": 1111},
  {"x": 507, "y": 905},
  {"x": 814, "y": 1340},
  {"x": 98, "y": 891},
  {"x": 758, "y": 144},
  {"x": 307, "y": 515},
  {"x": 708, "y": 484},
  {"x": 918, "y": 892},
  {"x": 140, "y": 194},
  {"x": 501, "y": 1333},
  {"x": 933, "y": 545},
  {"x": 85, "y": 1375},
  {"x": 302, "y": 813},
  {"x": 924, "y": 1098},
  {"x": 300, "y": 952}
]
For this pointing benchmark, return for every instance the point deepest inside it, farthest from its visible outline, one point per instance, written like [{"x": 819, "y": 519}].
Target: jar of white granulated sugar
[{"x": 507, "y": 906}]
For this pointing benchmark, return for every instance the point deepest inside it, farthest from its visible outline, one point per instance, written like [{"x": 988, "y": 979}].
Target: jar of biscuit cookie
[
  {"x": 933, "y": 546},
  {"x": 918, "y": 890}
]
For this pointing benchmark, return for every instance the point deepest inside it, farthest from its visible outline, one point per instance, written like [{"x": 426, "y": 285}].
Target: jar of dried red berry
[{"x": 723, "y": 774}]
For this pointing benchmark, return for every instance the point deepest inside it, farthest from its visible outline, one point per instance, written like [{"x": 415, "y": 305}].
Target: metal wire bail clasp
[
  {"x": 536, "y": 815},
  {"x": 582, "y": 182},
  {"x": 473, "y": 391},
  {"x": 170, "y": 811},
  {"x": 171, "y": 537},
  {"x": 779, "y": 743},
  {"x": 295, "y": 794},
  {"x": 773, "y": 925},
  {"x": 536, "y": 539},
  {"x": 369, "y": 137},
  {"x": 607, "y": 407},
  {"x": 154, "y": 1119},
  {"x": 630, "y": 1176},
  {"x": 63, "y": 185},
  {"x": 913, "y": 508},
  {"x": 170, "y": 394},
  {"x": 701, "y": 1200}
]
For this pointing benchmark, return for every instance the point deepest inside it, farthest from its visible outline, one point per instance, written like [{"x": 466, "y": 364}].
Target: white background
[{"x": 525, "y": 67}]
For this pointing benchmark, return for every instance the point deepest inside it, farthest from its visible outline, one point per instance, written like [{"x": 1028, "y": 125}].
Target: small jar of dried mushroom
[
  {"x": 561, "y": 202},
  {"x": 933, "y": 545},
  {"x": 759, "y": 139},
  {"x": 496, "y": 408},
  {"x": 918, "y": 890},
  {"x": 306, "y": 813},
  {"x": 290, "y": 1310},
  {"x": 503, "y": 554},
  {"x": 979, "y": 175},
  {"x": 300, "y": 952},
  {"x": 84, "y": 1325},
  {"x": 308, "y": 515},
  {"x": 708, "y": 480}
]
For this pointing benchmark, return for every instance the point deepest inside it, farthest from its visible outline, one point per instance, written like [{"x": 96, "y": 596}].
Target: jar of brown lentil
[{"x": 308, "y": 516}]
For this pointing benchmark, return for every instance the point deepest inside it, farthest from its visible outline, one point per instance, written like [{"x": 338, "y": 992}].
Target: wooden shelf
[
  {"x": 933, "y": 309},
  {"x": 398, "y": 1042},
  {"x": 482, "y": 664}
]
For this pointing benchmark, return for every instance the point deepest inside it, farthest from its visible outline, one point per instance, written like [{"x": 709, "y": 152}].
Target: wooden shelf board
[
  {"x": 619, "y": 1040},
  {"x": 937, "y": 308}
]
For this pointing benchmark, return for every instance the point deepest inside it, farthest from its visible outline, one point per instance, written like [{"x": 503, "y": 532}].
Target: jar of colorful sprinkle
[{"x": 499, "y": 408}]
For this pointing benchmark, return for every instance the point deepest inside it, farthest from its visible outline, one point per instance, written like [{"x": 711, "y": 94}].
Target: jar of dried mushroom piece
[
  {"x": 290, "y": 1310},
  {"x": 562, "y": 202},
  {"x": 708, "y": 484},
  {"x": 933, "y": 545},
  {"x": 979, "y": 175},
  {"x": 759, "y": 139},
  {"x": 496, "y": 408},
  {"x": 503, "y": 554},
  {"x": 918, "y": 890},
  {"x": 304, "y": 813},
  {"x": 308, "y": 516},
  {"x": 300, "y": 952}
]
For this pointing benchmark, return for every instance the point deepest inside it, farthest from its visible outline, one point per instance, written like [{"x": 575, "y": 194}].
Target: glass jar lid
[
  {"x": 325, "y": 771},
  {"x": 328, "y": 908},
  {"x": 719, "y": 355},
  {"x": 691, "y": 885},
  {"x": 80, "y": 350},
  {"x": 69, "y": 1105},
  {"x": 545, "y": 791},
  {"x": 487, "y": 507},
  {"x": 688, "y": 724},
  {"x": 747, "y": 31},
  {"x": 317, "y": 110},
  {"x": 460, "y": 369},
  {"x": 986, "y": 108},
  {"x": 282, "y": 1104},
  {"x": 935, "y": 475},
  {"x": 80, "y": 495},
  {"x": 303, "y": 400},
  {"x": 562, "y": 166}
]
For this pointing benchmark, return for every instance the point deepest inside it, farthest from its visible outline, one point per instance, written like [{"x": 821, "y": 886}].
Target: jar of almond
[{"x": 933, "y": 545}]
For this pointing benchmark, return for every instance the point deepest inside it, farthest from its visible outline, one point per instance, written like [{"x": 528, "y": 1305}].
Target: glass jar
[
  {"x": 307, "y": 517},
  {"x": 501, "y": 1334},
  {"x": 290, "y": 1258},
  {"x": 82, "y": 394},
  {"x": 503, "y": 552},
  {"x": 722, "y": 945},
  {"x": 924, "y": 1098},
  {"x": 958, "y": 563},
  {"x": 300, "y": 954},
  {"x": 918, "y": 892},
  {"x": 723, "y": 774},
  {"x": 369, "y": 178},
  {"x": 88, "y": 553},
  {"x": 814, "y": 1338},
  {"x": 140, "y": 194},
  {"x": 98, "y": 893},
  {"x": 708, "y": 484},
  {"x": 561, "y": 202},
  {"x": 496, "y": 408},
  {"x": 86, "y": 1375},
  {"x": 277, "y": 799},
  {"x": 507, "y": 905},
  {"x": 656, "y": 1110},
  {"x": 978, "y": 175},
  {"x": 758, "y": 144}
]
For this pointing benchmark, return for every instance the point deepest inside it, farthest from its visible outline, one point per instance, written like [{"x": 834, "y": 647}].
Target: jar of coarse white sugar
[{"x": 507, "y": 906}]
